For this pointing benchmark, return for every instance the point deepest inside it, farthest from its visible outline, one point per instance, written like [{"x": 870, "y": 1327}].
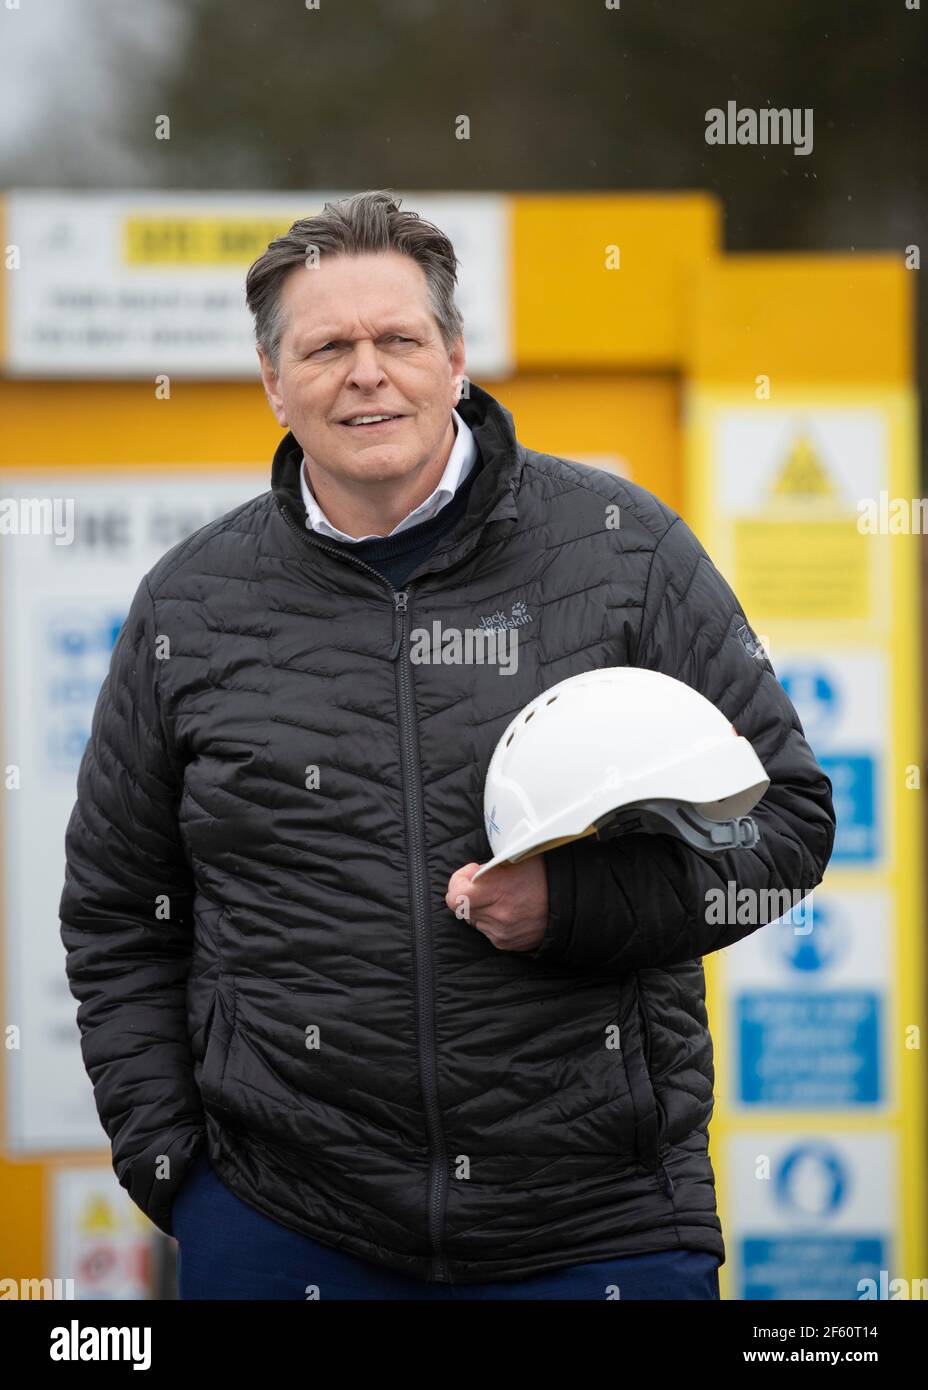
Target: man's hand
[{"x": 509, "y": 904}]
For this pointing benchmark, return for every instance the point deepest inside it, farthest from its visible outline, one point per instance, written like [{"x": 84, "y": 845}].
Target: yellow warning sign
[
  {"x": 803, "y": 473},
  {"x": 797, "y": 549},
  {"x": 96, "y": 1215}
]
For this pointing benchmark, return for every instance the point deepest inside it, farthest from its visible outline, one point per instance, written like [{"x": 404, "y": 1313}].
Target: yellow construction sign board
[
  {"x": 787, "y": 497},
  {"x": 819, "y": 1126}
]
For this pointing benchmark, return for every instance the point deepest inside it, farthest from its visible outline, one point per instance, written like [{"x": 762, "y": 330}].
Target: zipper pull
[{"x": 400, "y": 601}]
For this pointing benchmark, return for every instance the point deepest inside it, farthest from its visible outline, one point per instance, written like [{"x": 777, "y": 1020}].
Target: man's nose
[{"x": 366, "y": 367}]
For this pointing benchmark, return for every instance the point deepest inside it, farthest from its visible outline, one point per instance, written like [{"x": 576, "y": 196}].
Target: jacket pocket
[
  {"x": 653, "y": 1159},
  {"x": 219, "y": 1036},
  {"x": 644, "y": 1024},
  {"x": 636, "y": 1046}
]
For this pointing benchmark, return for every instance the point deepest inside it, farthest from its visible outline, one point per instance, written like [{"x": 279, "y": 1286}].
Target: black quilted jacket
[{"x": 270, "y": 806}]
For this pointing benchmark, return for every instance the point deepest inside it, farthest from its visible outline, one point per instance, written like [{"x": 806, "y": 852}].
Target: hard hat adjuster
[{"x": 663, "y": 817}]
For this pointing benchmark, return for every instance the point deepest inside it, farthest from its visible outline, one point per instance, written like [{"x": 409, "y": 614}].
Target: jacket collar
[{"x": 493, "y": 496}]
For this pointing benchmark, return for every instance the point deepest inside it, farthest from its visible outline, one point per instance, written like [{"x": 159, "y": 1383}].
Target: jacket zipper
[
  {"x": 425, "y": 1020},
  {"x": 438, "y": 1175},
  {"x": 663, "y": 1176}
]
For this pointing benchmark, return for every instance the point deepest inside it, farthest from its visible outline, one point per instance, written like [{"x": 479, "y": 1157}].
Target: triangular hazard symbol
[
  {"x": 97, "y": 1215},
  {"x": 803, "y": 474}
]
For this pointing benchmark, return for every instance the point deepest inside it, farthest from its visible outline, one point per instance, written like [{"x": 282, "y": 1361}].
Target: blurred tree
[{"x": 560, "y": 94}]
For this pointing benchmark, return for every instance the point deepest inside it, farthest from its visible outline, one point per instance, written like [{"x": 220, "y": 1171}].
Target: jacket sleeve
[
  {"x": 643, "y": 900},
  {"x": 126, "y": 927}
]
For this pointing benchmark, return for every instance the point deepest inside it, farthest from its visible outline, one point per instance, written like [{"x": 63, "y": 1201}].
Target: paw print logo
[{"x": 520, "y": 612}]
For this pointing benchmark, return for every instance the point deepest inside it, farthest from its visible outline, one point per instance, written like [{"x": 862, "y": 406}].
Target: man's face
[{"x": 360, "y": 339}]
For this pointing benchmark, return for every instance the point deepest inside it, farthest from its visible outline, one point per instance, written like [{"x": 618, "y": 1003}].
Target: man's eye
[{"x": 394, "y": 337}]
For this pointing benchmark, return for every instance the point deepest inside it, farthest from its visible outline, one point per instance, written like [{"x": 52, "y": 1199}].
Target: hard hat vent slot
[{"x": 531, "y": 715}]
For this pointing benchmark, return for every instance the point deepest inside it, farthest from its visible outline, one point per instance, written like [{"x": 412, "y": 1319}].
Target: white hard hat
[{"x": 614, "y": 750}]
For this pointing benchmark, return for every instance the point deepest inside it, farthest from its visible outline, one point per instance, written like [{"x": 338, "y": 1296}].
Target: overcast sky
[{"x": 67, "y": 67}]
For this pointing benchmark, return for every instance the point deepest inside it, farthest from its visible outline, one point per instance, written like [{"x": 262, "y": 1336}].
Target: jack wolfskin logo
[{"x": 518, "y": 617}]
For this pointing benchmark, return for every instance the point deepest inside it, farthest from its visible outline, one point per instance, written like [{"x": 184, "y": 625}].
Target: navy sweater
[{"x": 395, "y": 557}]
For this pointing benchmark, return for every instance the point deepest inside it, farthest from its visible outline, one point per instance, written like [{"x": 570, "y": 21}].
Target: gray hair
[{"x": 363, "y": 224}]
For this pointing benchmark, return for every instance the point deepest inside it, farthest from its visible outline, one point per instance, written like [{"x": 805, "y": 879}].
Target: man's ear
[
  {"x": 272, "y": 388},
  {"x": 458, "y": 359}
]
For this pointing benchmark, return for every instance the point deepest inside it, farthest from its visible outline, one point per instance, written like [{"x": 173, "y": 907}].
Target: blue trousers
[{"x": 228, "y": 1249}]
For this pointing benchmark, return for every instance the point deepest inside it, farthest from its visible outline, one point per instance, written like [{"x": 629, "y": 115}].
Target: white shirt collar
[{"x": 461, "y": 460}]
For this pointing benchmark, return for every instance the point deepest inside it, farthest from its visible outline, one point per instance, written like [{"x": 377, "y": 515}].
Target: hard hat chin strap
[{"x": 659, "y": 817}]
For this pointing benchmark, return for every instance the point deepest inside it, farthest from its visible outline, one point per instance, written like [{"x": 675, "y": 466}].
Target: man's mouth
[{"x": 371, "y": 422}]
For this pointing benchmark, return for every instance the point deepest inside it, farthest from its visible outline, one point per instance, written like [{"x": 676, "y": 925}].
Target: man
[{"x": 326, "y": 1060}]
